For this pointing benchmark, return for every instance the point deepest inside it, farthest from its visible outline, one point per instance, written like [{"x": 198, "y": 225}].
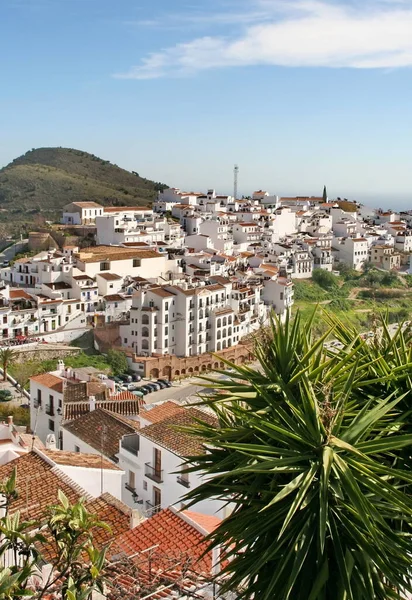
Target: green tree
[
  {"x": 64, "y": 540},
  {"x": 312, "y": 455},
  {"x": 117, "y": 361},
  {"x": 325, "y": 194},
  {"x": 7, "y": 358}
]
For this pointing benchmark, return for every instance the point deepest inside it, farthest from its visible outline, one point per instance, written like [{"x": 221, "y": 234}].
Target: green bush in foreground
[{"x": 313, "y": 453}]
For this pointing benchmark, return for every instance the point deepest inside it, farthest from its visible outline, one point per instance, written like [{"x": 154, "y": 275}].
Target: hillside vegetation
[{"x": 43, "y": 180}]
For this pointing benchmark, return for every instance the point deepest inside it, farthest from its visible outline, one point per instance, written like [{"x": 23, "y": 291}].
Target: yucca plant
[{"x": 305, "y": 455}]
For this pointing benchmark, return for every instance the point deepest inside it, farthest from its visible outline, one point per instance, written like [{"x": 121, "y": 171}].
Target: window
[
  {"x": 166, "y": 342},
  {"x": 166, "y": 318},
  {"x": 145, "y": 332},
  {"x": 145, "y": 345},
  {"x": 77, "y": 448},
  {"x": 51, "y": 424},
  {"x": 166, "y": 306},
  {"x": 145, "y": 320},
  {"x": 166, "y": 331},
  {"x": 132, "y": 479},
  {"x": 145, "y": 485},
  {"x": 105, "y": 266},
  {"x": 137, "y": 262},
  {"x": 38, "y": 397}
]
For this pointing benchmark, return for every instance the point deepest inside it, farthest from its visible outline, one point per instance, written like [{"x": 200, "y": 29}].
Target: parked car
[
  {"x": 135, "y": 377},
  {"x": 138, "y": 392},
  {"x": 165, "y": 382},
  {"x": 126, "y": 378},
  {"x": 145, "y": 390},
  {"x": 152, "y": 386}
]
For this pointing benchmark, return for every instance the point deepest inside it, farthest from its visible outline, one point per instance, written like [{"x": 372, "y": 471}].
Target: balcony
[
  {"x": 183, "y": 481},
  {"x": 151, "y": 508},
  {"x": 129, "y": 488},
  {"x": 49, "y": 411},
  {"x": 153, "y": 473}
]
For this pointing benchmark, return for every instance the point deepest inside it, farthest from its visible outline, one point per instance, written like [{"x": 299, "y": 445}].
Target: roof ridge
[{"x": 116, "y": 503}]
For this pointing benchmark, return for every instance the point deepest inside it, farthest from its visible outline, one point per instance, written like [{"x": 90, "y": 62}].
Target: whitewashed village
[{"x": 179, "y": 288}]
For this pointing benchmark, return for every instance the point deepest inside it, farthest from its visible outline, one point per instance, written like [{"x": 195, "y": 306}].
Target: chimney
[
  {"x": 10, "y": 420},
  {"x": 92, "y": 403},
  {"x": 135, "y": 518},
  {"x": 60, "y": 367},
  {"x": 216, "y": 560}
]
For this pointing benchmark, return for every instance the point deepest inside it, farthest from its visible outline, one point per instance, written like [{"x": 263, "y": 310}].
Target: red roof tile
[
  {"x": 171, "y": 535},
  {"x": 50, "y": 381}
]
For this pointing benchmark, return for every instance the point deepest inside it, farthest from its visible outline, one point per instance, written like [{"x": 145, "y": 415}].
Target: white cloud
[{"x": 301, "y": 33}]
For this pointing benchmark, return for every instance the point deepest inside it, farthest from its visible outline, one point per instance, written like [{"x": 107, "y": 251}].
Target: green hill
[{"x": 43, "y": 180}]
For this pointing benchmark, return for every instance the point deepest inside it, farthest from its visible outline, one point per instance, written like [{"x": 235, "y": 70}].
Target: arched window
[
  {"x": 224, "y": 344},
  {"x": 200, "y": 314},
  {"x": 224, "y": 333},
  {"x": 229, "y": 342},
  {"x": 145, "y": 320},
  {"x": 219, "y": 335},
  {"x": 219, "y": 322},
  {"x": 224, "y": 321},
  {"x": 145, "y": 345},
  {"x": 145, "y": 332},
  {"x": 229, "y": 320},
  {"x": 229, "y": 331},
  {"x": 218, "y": 347}
]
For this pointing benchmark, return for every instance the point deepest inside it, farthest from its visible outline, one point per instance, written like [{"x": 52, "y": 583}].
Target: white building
[
  {"x": 353, "y": 252},
  {"x": 66, "y": 394},
  {"x": 152, "y": 460},
  {"x": 81, "y": 213},
  {"x": 195, "y": 319}
]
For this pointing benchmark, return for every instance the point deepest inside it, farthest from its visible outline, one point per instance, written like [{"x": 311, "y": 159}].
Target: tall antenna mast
[{"x": 235, "y": 177}]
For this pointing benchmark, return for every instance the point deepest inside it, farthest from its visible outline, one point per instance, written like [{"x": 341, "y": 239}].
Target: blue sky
[{"x": 299, "y": 93}]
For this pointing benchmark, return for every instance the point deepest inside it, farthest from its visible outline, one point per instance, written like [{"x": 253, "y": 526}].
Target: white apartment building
[
  {"x": 195, "y": 319},
  {"x": 246, "y": 233},
  {"x": 278, "y": 294},
  {"x": 81, "y": 213},
  {"x": 136, "y": 225},
  {"x": 220, "y": 232},
  {"x": 152, "y": 460},
  {"x": 302, "y": 264},
  {"x": 352, "y": 251}
]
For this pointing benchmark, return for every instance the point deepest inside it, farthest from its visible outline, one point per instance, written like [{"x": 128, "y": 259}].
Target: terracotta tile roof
[
  {"x": 114, "y": 298},
  {"x": 88, "y": 426},
  {"x": 17, "y": 294},
  {"x": 161, "y": 412},
  {"x": 113, "y": 253},
  {"x": 115, "y": 209},
  {"x": 78, "y": 459},
  {"x": 172, "y": 536},
  {"x": 166, "y": 433},
  {"x": 86, "y": 204},
  {"x": 159, "y": 291},
  {"x": 108, "y": 510},
  {"x": 123, "y": 396},
  {"x": 50, "y": 381},
  {"x": 73, "y": 410},
  {"x": 37, "y": 485},
  {"x": 109, "y": 276},
  {"x": 207, "y": 522}
]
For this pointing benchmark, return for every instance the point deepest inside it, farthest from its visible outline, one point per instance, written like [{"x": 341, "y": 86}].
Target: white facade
[
  {"x": 351, "y": 251},
  {"x": 195, "y": 320},
  {"x": 81, "y": 213}
]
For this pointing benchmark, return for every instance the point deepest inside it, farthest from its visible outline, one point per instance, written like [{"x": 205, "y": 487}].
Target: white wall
[
  {"x": 96, "y": 481},
  {"x": 171, "y": 491}
]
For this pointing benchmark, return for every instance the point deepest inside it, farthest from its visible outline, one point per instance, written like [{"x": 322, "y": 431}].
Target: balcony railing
[
  {"x": 129, "y": 488},
  {"x": 183, "y": 481},
  {"x": 150, "y": 507},
  {"x": 50, "y": 411},
  {"x": 153, "y": 473}
]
